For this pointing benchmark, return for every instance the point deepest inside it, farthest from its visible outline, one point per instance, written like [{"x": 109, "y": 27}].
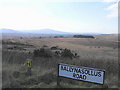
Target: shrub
[
  {"x": 10, "y": 48},
  {"x": 98, "y": 46},
  {"x": 42, "y": 53},
  {"x": 55, "y": 36},
  {"x": 67, "y": 53},
  {"x": 54, "y": 48},
  {"x": 58, "y": 36},
  {"x": 83, "y": 36},
  {"x": 45, "y": 46}
]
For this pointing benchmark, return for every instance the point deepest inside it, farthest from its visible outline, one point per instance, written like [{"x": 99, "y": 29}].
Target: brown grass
[{"x": 101, "y": 53}]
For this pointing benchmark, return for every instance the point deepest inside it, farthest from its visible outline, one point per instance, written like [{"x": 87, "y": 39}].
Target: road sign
[
  {"x": 28, "y": 63},
  {"x": 81, "y": 73}
]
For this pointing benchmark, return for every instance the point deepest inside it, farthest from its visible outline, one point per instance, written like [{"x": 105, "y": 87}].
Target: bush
[
  {"x": 42, "y": 53},
  {"x": 58, "y": 36},
  {"x": 67, "y": 53},
  {"x": 55, "y": 36},
  {"x": 45, "y": 46},
  {"x": 83, "y": 36},
  {"x": 54, "y": 48}
]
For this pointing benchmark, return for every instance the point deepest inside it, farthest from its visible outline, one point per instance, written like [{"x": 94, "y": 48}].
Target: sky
[{"x": 83, "y": 16}]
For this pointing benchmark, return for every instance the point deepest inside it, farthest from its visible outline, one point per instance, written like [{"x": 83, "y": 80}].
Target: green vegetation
[
  {"x": 83, "y": 36},
  {"x": 42, "y": 53},
  {"x": 47, "y": 53},
  {"x": 58, "y": 36}
]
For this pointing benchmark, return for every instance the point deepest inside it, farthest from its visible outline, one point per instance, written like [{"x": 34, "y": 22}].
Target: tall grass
[{"x": 44, "y": 71}]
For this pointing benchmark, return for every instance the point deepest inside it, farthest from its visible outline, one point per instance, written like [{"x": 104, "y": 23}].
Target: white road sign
[{"x": 81, "y": 73}]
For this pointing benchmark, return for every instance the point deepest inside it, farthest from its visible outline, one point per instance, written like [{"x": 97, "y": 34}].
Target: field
[{"x": 101, "y": 53}]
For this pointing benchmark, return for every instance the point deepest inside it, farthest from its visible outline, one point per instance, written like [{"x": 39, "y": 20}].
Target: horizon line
[{"x": 57, "y": 30}]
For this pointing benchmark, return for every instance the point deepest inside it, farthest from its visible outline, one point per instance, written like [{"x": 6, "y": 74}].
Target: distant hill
[
  {"x": 8, "y": 31},
  {"x": 44, "y": 31},
  {"x": 41, "y": 31}
]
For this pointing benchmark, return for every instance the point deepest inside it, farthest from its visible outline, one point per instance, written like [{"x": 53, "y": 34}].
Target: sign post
[
  {"x": 58, "y": 78},
  {"x": 28, "y": 65},
  {"x": 81, "y": 73}
]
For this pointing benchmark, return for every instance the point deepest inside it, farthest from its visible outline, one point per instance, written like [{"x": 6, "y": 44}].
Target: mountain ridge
[
  {"x": 43, "y": 31},
  {"x": 4, "y": 30}
]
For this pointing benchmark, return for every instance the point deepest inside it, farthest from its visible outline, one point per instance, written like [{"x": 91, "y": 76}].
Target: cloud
[
  {"x": 109, "y": 1},
  {"x": 113, "y": 11},
  {"x": 21, "y": 15}
]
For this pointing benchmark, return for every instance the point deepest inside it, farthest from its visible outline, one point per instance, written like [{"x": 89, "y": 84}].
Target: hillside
[
  {"x": 44, "y": 31},
  {"x": 41, "y": 31},
  {"x": 8, "y": 31}
]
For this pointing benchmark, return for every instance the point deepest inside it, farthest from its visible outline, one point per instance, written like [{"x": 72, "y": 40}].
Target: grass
[
  {"x": 43, "y": 75},
  {"x": 44, "y": 70}
]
